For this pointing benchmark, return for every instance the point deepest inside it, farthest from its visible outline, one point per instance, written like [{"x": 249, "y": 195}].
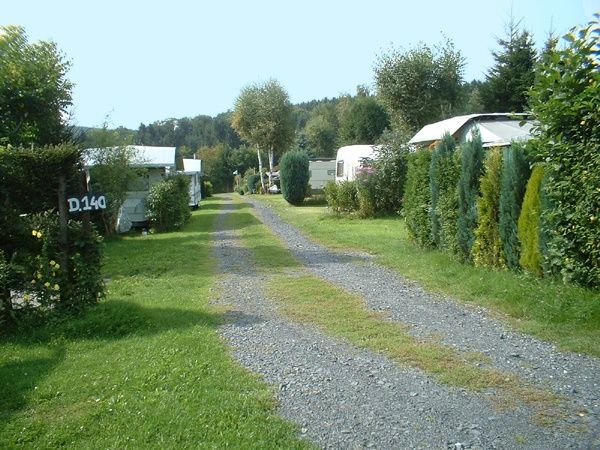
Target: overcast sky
[{"x": 142, "y": 61}]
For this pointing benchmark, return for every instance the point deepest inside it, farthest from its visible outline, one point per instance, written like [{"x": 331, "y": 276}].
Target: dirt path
[{"x": 342, "y": 397}]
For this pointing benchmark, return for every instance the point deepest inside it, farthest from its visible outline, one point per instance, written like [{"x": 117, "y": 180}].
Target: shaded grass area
[
  {"x": 309, "y": 299},
  {"x": 143, "y": 369},
  {"x": 566, "y": 315}
]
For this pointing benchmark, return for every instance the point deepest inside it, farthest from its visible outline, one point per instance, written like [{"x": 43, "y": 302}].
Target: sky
[{"x": 142, "y": 61}]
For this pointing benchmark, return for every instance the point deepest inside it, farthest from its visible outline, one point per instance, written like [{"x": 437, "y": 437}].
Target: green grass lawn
[
  {"x": 143, "y": 369},
  {"x": 566, "y": 315}
]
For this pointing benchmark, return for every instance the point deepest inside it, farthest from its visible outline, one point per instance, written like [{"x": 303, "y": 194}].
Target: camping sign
[{"x": 88, "y": 202}]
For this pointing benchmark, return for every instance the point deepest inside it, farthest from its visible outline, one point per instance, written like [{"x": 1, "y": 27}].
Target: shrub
[
  {"x": 253, "y": 183},
  {"x": 167, "y": 203},
  {"x": 347, "y": 197},
  {"x": 330, "y": 190},
  {"x": 391, "y": 165},
  {"x": 78, "y": 284},
  {"x": 515, "y": 173},
  {"x": 528, "y": 225},
  {"x": 294, "y": 175},
  {"x": 487, "y": 248},
  {"x": 417, "y": 198},
  {"x": 472, "y": 154},
  {"x": 207, "y": 189},
  {"x": 366, "y": 191},
  {"x": 566, "y": 100},
  {"x": 443, "y": 175}
]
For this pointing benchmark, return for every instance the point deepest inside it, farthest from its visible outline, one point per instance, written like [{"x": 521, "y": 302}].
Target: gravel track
[{"x": 342, "y": 397}]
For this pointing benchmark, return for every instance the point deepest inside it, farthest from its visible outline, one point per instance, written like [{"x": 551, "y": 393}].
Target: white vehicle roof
[
  {"x": 496, "y": 129},
  {"x": 142, "y": 156}
]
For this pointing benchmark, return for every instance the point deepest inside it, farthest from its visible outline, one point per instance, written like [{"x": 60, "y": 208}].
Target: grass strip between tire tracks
[{"x": 307, "y": 298}]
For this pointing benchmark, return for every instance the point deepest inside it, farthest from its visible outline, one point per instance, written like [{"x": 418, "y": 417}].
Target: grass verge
[
  {"x": 566, "y": 315},
  {"x": 143, "y": 369},
  {"x": 309, "y": 299}
]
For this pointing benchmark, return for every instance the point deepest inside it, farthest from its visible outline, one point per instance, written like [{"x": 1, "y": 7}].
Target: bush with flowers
[{"x": 63, "y": 278}]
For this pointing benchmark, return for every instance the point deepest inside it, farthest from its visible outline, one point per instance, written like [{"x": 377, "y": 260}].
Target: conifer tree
[
  {"x": 507, "y": 83},
  {"x": 472, "y": 154},
  {"x": 515, "y": 173}
]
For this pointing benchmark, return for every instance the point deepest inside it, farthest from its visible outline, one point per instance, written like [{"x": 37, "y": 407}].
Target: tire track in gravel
[{"x": 342, "y": 397}]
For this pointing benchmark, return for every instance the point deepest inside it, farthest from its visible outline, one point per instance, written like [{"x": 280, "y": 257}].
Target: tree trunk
[
  {"x": 63, "y": 218},
  {"x": 271, "y": 166},
  {"x": 262, "y": 182}
]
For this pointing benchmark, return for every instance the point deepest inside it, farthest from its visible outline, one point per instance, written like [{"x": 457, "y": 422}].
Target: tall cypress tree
[
  {"x": 515, "y": 173},
  {"x": 471, "y": 169},
  {"x": 507, "y": 83},
  {"x": 443, "y": 175}
]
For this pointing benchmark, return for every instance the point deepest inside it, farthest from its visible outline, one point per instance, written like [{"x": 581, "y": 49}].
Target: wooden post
[{"x": 63, "y": 218}]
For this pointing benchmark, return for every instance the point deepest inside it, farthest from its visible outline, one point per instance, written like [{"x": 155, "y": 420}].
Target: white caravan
[{"x": 351, "y": 158}]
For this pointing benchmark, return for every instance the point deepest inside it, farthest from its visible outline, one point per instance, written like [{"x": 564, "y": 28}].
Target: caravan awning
[{"x": 497, "y": 129}]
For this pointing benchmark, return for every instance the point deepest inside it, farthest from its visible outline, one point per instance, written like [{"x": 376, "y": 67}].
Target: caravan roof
[
  {"x": 496, "y": 129},
  {"x": 142, "y": 156}
]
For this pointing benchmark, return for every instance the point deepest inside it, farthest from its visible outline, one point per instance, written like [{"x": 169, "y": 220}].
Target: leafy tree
[
  {"x": 471, "y": 168},
  {"x": 515, "y": 173},
  {"x": 363, "y": 121},
  {"x": 35, "y": 94},
  {"x": 294, "y": 173},
  {"x": 218, "y": 166},
  {"x": 417, "y": 198},
  {"x": 321, "y": 130},
  {"x": 566, "y": 101},
  {"x": 507, "y": 83},
  {"x": 421, "y": 85},
  {"x": 263, "y": 117},
  {"x": 391, "y": 165},
  {"x": 487, "y": 248}
]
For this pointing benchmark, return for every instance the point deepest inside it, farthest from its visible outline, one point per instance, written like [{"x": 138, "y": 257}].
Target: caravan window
[{"x": 340, "y": 168}]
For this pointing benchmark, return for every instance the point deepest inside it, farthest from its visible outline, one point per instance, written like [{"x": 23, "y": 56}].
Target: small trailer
[
  {"x": 321, "y": 171},
  {"x": 156, "y": 163},
  {"x": 193, "y": 169},
  {"x": 351, "y": 158}
]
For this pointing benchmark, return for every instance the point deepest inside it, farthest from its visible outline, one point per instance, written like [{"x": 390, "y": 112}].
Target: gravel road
[{"x": 343, "y": 397}]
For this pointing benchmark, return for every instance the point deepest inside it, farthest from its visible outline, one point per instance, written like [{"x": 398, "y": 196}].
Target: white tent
[{"x": 497, "y": 129}]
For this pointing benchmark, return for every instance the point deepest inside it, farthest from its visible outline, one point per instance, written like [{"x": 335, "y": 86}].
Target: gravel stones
[{"x": 342, "y": 397}]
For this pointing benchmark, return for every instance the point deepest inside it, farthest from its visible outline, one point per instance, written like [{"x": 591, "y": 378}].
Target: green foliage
[
  {"x": 390, "y": 165},
  {"x": 342, "y": 198},
  {"x": 515, "y": 173},
  {"x": 321, "y": 130},
  {"x": 192, "y": 133},
  {"x": 263, "y": 117},
  {"x": 443, "y": 176},
  {"x": 207, "y": 189},
  {"x": 253, "y": 183},
  {"x": 487, "y": 248},
  {"x": 421, "y": 85},
  {"x": 34, "y": 92},
  {"x": 78, "y": 284},
  {"x": 366, "y": 191},
  {"x": 362, "y": 121},
  {"x": 167, "y": 203},
  {"x": 507, "y": 83},
  {"x": 417, "y": 198},
  {"x": 472, "y": 154},
  {"x": 528, "y": 225},
  {"x": 566, "y": 101},
  {"x": 111, "y": 174},
  {"x": 294, "y": 175},
  {"x": 28, "y": 245}
]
